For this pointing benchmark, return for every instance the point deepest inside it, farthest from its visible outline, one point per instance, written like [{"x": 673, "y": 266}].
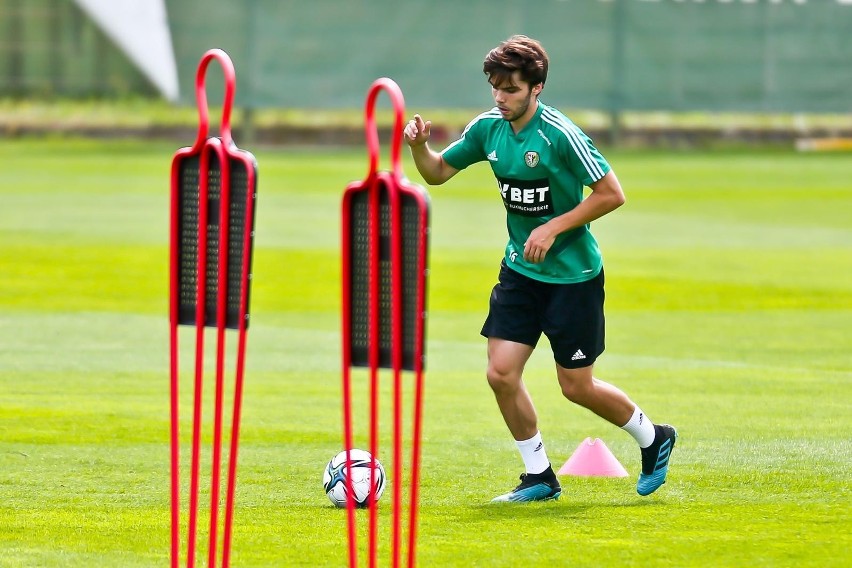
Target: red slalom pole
[
  {"x": 384, "y": 224},
  {"x": 221, "y": 308},
  {"x": 346, "y": 323},
  {"x": 201, "y": 278},
  {"x": 374, "y": 307},
  {"x": 213, "y": 171}
]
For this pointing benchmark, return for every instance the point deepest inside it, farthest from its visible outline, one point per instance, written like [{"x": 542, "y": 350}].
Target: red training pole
[
  {"x": 346, "y": 321},
  {"x": 221, "y": 314}
]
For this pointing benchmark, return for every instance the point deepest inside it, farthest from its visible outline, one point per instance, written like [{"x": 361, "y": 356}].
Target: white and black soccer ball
[{"x": 334, "y": 478}]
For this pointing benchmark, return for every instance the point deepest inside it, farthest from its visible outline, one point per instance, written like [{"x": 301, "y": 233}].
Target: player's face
[{"x": 513, "y": 97}]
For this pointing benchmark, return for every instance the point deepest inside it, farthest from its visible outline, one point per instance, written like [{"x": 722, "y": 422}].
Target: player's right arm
[{"x": 430, "y": 164}]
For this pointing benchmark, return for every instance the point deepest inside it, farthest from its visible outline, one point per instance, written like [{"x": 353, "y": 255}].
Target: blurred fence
[
  {"x": 50, "y": 48},
  {"x": 682, "y": 55}
]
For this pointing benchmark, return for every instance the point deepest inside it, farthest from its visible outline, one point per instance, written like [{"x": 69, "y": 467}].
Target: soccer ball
[{"x": 334, "y": 478}]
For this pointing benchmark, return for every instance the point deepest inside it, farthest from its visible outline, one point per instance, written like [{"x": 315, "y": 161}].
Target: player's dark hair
[{"x": 518, "y": 53}]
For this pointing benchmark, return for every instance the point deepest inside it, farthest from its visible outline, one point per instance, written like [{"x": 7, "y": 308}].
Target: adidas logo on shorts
[{"x": 578, "y": 355}]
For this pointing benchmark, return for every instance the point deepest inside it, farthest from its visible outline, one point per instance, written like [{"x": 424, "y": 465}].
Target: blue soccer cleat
[
  {"x": 533, "y": 487},
  {"x": 655, "y": 460}
]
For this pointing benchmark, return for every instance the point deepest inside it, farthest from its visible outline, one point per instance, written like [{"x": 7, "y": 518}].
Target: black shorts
[{"x": 570, "y": 315}]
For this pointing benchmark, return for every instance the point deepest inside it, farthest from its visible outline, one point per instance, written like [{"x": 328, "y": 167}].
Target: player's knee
[
  {"x": 576, "y": 391},
  {"x": 501, "y": 379}
]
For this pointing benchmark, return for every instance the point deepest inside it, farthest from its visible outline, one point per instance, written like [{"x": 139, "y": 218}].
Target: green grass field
[{"x": 729, "y": 279}]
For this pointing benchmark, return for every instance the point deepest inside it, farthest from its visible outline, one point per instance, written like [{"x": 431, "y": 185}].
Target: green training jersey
[{"x": 541, "y": 172}]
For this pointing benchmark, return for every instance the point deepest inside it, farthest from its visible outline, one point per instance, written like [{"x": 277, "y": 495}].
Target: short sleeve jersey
[{"x": 541, "y": 172}]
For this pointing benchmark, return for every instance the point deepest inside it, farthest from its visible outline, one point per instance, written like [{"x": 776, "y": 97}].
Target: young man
[{"x": 551, "y": 279}]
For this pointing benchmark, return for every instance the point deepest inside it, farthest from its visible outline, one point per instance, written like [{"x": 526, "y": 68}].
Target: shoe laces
[
  {"x": 529, "y": 479},
  {"x": 523, "y": 483}
]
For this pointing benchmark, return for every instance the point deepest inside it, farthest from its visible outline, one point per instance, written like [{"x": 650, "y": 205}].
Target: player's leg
[
  {"x": 512, "y": 331},
  {"x": 607, "y": 401},
  {"x": 656, "y": 441},
  {"x": 506, "y": 360},
  {"x": 574, "y": 324}
]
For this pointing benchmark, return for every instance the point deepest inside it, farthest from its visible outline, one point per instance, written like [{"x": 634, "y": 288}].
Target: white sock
[
  {"x": 641, "y": 428},
  {"x": 533, "y": 454}
]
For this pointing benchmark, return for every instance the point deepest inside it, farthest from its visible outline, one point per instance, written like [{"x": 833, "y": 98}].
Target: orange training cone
[{"x": 593, "y": 458}]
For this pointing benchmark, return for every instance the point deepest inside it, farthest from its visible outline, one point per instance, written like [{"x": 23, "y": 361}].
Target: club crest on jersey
[{"x": 531, "y": 159}]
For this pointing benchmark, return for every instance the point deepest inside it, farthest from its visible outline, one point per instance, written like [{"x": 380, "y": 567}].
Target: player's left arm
[{"x": 606, "y": 196}]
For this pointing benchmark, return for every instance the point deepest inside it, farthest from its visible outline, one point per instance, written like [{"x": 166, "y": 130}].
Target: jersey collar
[{"x": 528, "y": 126}]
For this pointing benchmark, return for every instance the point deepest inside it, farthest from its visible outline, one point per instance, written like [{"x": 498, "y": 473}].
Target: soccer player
[{"x": 551, "y": 279}]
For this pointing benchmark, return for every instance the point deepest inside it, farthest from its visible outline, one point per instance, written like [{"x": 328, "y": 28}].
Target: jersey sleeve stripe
[
  {"x": 454, "y": 143},
  {"x": 493, "y": 113},
  {"x": 592, "y": 166}
]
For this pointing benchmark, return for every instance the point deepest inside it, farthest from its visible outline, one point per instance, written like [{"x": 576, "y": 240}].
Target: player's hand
[
  {"x": 538, "y": 243},
  {"x": 417, "y": 131}
]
